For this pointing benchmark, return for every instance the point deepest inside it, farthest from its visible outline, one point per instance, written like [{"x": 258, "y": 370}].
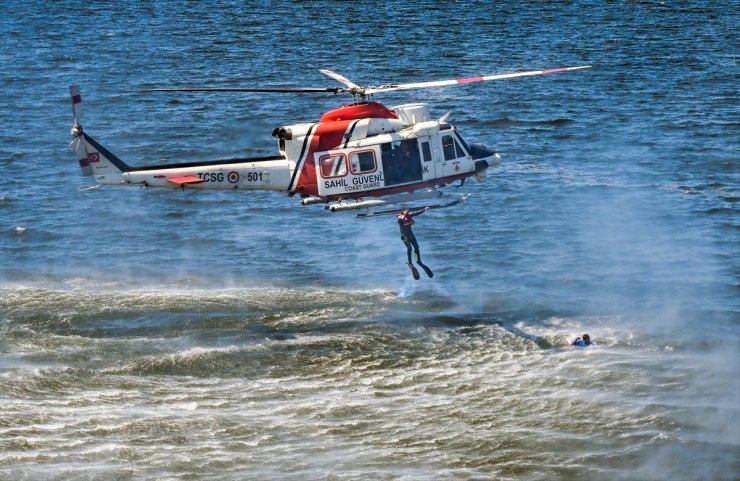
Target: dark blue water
[{"x": 219, "y": 335}]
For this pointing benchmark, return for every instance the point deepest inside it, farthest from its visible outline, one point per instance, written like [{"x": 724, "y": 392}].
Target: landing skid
[
  {"x": 404, "y": 198},
  {"x": 370, "y": 213}
]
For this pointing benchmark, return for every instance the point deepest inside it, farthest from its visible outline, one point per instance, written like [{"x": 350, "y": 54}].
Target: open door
[{"x": 401, "y": 162}]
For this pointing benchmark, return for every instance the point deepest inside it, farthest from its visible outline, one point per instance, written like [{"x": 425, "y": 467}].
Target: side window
[
  {"x": 333, "y": 165},
  {"x": 426, "y": 151},
  {"x": 362, "y": 162}
]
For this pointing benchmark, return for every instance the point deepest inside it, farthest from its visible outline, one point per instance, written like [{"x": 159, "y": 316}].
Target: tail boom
[
  {"x": 257, "y": 173},
  {"x": 262, "y": 173}
]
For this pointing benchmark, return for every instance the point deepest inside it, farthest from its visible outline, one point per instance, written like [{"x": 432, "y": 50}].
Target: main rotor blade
[
  {"x": 340, "y": 78},
  {"x": 444, "y": 83},
  {"x": 332, "y": 90}
]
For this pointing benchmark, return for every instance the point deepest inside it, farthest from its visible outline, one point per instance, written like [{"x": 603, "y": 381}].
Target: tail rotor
[
  {"x": 79, "y": 145},
  {"x": 76, "y": 98}
]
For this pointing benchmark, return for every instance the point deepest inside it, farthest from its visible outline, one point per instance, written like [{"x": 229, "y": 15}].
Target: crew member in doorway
[{"x": 405, "y": 221}]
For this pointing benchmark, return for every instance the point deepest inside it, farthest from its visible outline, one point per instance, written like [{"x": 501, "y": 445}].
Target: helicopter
[{"x": 361, "y": 155}]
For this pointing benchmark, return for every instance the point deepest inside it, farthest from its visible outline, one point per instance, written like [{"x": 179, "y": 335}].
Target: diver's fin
[
  {"x": 414, "y": 272},
  {"x": 426, "y": 269}
]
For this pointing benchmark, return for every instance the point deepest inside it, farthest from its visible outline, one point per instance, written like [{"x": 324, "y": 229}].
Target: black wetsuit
[{"x": 405, "y": 222}]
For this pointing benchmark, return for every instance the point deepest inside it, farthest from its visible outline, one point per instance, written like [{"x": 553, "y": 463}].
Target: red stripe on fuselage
[
  {"x": 368, "y": 110},
  {"x": 326, "y": 136}
]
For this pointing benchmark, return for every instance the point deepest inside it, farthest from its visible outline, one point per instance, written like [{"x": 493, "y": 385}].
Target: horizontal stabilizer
[{"x": 185, "y": 179}]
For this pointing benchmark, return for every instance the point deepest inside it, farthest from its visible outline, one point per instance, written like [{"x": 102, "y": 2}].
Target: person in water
[
  {"x": 582, "y": 341},
  {"x": 405, "y": 221}
]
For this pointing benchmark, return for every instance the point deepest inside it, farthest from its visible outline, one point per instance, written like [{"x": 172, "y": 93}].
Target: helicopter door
[
  {"x": 401, "y": 162},
  {"x": 427, "y": 165},
  {"x": 452, "y": 156}
]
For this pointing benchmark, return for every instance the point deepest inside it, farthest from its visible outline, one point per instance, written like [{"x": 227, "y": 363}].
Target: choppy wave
[{"x": 355, "y": 380}]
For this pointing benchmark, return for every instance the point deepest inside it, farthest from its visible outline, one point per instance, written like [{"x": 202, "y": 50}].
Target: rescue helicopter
[{"x": 361, "y": 155}]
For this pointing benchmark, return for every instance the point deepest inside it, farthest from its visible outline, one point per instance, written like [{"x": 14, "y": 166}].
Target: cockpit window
[
  {"x": 463, "y": 141},
  {"x": 451, "y": 148}
]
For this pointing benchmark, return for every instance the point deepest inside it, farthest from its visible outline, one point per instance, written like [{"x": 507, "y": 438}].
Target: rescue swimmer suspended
[{"x": 358, "y": 156}]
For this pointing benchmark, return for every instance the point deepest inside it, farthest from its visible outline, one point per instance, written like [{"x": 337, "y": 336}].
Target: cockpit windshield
[{"x": 465, "y": 144}]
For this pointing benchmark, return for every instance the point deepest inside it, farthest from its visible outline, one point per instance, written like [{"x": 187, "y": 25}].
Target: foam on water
[{"x": 378, "y": 393}]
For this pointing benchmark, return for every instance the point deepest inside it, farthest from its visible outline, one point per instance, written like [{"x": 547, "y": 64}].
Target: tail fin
[{"x": 94, "y": 158}]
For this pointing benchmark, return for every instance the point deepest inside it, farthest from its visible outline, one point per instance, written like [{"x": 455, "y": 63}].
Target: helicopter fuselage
[{"x": 353, "y": 152}]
